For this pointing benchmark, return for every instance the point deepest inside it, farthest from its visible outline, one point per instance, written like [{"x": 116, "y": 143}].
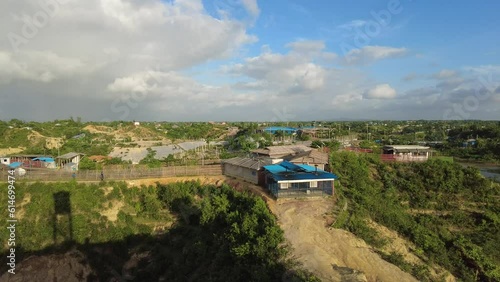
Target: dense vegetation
[
  {"x": 223, "y": 235},
  {"x": 218, "y": 234},
  {"x": 36, "y": 211},
  {"x": 450, "y": 213}
]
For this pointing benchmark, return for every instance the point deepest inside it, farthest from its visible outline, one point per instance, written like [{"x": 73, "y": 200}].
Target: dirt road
[{"x": 331, "y": 254}]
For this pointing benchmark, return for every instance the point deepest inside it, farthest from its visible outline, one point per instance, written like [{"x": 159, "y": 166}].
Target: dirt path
[{"x": 331, "y": 254}]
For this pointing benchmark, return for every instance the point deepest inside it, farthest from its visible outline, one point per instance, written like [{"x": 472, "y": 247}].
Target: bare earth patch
[
  {"x": 8, "y": 151},
  {"x": 112, "y": 213},
  {"x": 20, "y": 210},
  {"x": 107, "y": 190},
  {"x": 331, "y": 254}
]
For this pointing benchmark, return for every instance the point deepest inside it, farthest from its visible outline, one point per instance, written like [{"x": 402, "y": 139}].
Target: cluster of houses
[
  {"x": 285, "y": 170},
  {"x": 294, "y": 170},
  {"x": 20, "y": 163}
]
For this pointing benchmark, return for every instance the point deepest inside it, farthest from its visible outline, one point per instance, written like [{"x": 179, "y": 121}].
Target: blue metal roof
[
  {"x": 44, "y": 159},
  {"x": 15, "y": 165},
  {"x": 289, "y": 171},
  {"x": 274, "y": 129}
]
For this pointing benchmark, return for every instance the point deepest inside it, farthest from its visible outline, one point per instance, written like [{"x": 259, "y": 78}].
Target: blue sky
[{"x": 251, "y": 60}]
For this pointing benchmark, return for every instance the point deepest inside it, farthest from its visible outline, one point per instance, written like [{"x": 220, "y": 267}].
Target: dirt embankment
[
  {"x": 8, "y": 151},
  {"x": 331, "y": 254}
]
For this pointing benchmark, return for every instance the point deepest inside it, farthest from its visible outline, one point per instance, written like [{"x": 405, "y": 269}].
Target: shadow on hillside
[
  {"x": 62, "y": 218},
  {"x": 186, "y": 252},
  {"x": 67, "y": 260},
  {"x": 70, "y": 261}
]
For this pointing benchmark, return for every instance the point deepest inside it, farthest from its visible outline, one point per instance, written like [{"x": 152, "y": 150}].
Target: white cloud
[
  {"x": 307, "y": 46},
  {"x": 370, "y": 54},
  {"x": 38, "y": 66},
  {"x": 292, "y": 73},
  {"x": 445, "y": 74},
  {"x": 381, "y": 91},
  {"x": 252, "y": 7},
  {"x": 174, "y": 35},
  {"x": 101, "y": 49},
  {"x": 145, "y": 59},
  {"x": 352, "y": 24}
]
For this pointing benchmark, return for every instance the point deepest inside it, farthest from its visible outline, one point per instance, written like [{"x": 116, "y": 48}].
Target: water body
[{"x": 487, "y": 170}]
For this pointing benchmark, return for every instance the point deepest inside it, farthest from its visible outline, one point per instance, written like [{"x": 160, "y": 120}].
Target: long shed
[{"x": 244, "y": 168}]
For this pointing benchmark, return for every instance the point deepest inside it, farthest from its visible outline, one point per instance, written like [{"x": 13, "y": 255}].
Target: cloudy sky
[{"x": 189, "y": 60}]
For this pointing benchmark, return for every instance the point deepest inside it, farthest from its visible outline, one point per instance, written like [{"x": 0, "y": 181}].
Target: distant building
[
  {"x": 46, "y": 162},
  {"x": 281, "y": 152},
  {"x": 32, "y": 161},
  {"x": 69, "y": 161},
  {"x": 275, "y": 129},
  {"x": 405, "y": 153},
  {"x": 469, "y": 143},
  {"x": 248, "y": 169},
  {"x": 288, "y": 179},
  {"x": 136, "y": 123},
  {"x": 312, "y": 158},
  {"x": 298, "y": 154}
]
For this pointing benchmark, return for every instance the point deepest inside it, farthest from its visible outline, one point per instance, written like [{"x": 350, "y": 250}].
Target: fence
[{"x": 119, "y": 174}]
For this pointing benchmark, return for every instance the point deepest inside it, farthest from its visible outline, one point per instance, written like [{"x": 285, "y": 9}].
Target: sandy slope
[{"x": 331, "y": 254}]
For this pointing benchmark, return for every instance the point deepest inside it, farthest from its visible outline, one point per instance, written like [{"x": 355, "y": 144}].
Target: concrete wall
[{"x": 244, "y": 173}]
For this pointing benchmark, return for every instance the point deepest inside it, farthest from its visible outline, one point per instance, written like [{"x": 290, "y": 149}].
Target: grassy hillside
[
  {"x": 179, "y": 232},
  {"x": 450, "y": 213}
]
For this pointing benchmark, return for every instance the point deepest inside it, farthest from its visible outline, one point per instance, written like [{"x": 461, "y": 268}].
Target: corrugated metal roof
[
  {"x": 247, "y": 162},
  {"x": 405, "y": 147},
  {"x": 280, "y": 151},
  {"x": 15, "y": 165},
  {"x": 70, "y": 155},
  {"x": 289, "y": 171},
  {"x": 44, "y": 159},
  {"x": 313, "y": 156}
]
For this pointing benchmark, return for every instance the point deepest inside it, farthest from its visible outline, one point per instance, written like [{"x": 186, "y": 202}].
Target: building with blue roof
[
  {"x": 274, "y": 129},
  {"x": 289, "y": 179},
  {"x": 15, "y": 165}
]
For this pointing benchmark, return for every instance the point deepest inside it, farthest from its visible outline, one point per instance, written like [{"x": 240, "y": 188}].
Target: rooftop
[
  {"x": 70, "y": 155},
  {"x": 405, "y": 147},
  {"x": 281, "y": 151},
  {"x": 247, "y": 162},
  {"x": 286, "y": 171},
  {"x": 313, "y": 156}
]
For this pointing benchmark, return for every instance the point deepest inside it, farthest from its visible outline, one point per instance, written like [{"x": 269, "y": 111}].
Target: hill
[
  {"x": 447, "y": 212},
  {"x": 178, "y": 232}
]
